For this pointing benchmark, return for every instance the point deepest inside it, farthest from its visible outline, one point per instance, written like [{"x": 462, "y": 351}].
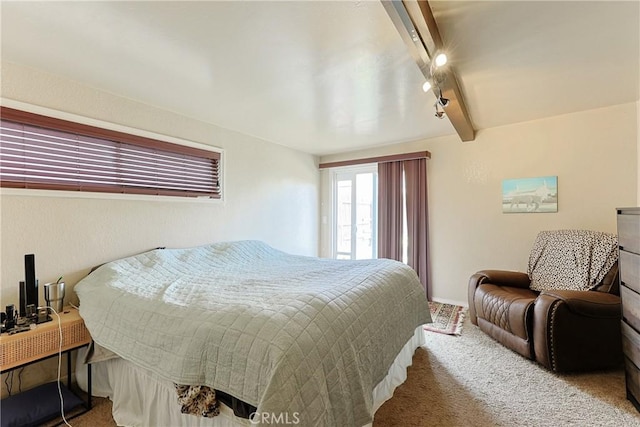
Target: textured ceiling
[{"x": 326, "y": 77}]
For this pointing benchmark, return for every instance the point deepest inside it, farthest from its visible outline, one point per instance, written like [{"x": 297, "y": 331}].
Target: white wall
[
  {"x": 271, "y": 193},
  {"x": 593, "y": 153}
]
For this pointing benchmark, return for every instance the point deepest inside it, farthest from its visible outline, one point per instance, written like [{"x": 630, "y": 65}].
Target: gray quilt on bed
[{"x": 287, "y": 334}]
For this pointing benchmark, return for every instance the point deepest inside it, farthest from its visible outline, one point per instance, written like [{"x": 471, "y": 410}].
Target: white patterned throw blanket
[
  {"x": 571, "y": 259},
  {"x": 287, "y": 334}
]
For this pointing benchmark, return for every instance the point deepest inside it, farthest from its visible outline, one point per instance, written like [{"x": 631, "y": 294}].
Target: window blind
[{"x": 45, "y": 153}]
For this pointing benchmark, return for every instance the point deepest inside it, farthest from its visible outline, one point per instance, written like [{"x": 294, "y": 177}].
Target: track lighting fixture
[
  {"x": 442, "y": 100},
  {"x": 439, "y": 110},
  {"x": 436, "y": 77},
  {"x": 441, "y": 59}
]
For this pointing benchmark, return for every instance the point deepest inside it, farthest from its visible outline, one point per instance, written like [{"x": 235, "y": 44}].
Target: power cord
[
  {"x": 59, "y": 364},
  {"x": 8, "y": 382},
  {"x": 20, "y": 380}
]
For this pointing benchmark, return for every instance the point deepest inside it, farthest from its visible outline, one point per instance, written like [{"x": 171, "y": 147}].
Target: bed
[{"x": 303, "y": 340}]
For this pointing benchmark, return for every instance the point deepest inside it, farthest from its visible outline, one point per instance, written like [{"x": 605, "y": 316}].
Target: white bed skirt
[{"x": 142, "y": 398}]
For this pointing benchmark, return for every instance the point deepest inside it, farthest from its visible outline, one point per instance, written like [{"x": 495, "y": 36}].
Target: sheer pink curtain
[
  {"x": 415, "y": 172},
  {"x": 390, "y": 210}
]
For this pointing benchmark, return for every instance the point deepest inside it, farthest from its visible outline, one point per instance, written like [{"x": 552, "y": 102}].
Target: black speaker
[
  {"x": 31, "y": 285},
  {"x": 23, "y": 299}
]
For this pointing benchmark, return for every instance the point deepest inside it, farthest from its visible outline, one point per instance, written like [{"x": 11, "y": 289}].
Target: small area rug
[{"x": 447, "y": 318}]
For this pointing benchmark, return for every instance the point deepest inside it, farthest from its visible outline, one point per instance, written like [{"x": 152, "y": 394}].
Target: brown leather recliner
[{"x": 560, "y": 329}]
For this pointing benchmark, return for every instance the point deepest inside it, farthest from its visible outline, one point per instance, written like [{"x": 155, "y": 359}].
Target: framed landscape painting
[{"x": 530, "y": 195}]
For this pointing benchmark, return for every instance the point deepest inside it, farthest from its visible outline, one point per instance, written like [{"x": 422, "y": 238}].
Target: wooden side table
[{"x": 43, "y": 342}]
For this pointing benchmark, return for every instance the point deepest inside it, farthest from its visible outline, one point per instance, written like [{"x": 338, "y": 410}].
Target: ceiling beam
[
  {"x": 415, "y": 22},
  {"x": 409, "y": 34}
]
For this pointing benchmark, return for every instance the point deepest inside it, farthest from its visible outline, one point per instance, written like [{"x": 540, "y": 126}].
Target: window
[
  {"x": 355, "y": 212},
  {"x": 46, "y": 153}
]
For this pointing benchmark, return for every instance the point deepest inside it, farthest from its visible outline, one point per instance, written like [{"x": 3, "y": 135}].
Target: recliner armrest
[
  {"x": 577, "y": 330},
  {"x": 496, "y": 277},
  {"x": 514, "y": 279},
  {"x": 586, "y": 303}
]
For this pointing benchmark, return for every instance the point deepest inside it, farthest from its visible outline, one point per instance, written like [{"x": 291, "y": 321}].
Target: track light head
[
  {"x": 442, "y": 100},
  {"x": 441, "y": 59}
]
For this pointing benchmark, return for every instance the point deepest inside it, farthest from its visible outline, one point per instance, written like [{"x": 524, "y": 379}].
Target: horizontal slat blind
[{"x": 46, "y": 158}]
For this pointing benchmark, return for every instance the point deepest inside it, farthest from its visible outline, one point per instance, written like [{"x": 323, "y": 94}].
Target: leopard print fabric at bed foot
[{"x": 198, "y": 400}]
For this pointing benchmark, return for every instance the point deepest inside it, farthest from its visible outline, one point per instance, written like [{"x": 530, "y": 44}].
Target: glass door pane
[
  {"x": 364, "y": 216},
  {"x": 343, "y": 218},
  {"x": 355, "y": 213}
]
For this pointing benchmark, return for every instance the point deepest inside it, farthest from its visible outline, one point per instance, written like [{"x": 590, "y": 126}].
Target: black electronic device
[
  {"x": 31, "y": 284},
  {"x": 42, "y": 315},
  {"x": 31, "y": 313},
  {"x": 11, "y": 317},
  {"x": 23, "y": 299}
]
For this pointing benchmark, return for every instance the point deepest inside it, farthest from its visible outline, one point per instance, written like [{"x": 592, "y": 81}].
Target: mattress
[{"x": 286, "y": 334}]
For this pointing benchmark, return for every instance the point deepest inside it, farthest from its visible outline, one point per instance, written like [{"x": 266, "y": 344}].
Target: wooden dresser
[{"x": 629, "y": 241}]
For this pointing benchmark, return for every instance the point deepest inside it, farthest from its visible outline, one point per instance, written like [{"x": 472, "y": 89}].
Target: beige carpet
[{"x": 470, "y": 380}]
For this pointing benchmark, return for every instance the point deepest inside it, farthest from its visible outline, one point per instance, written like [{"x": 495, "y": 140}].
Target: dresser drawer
[
  {"x": 630, "y": 270},
  {"x": 631, "y": 343},
  {"x": 630, "y": 307},
  {"x": 629, "y": 232},
  {"x": 632, "y": 376}
]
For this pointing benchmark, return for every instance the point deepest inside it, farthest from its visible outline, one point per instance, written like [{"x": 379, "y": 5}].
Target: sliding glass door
[{"x": 355, "y": 213}]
